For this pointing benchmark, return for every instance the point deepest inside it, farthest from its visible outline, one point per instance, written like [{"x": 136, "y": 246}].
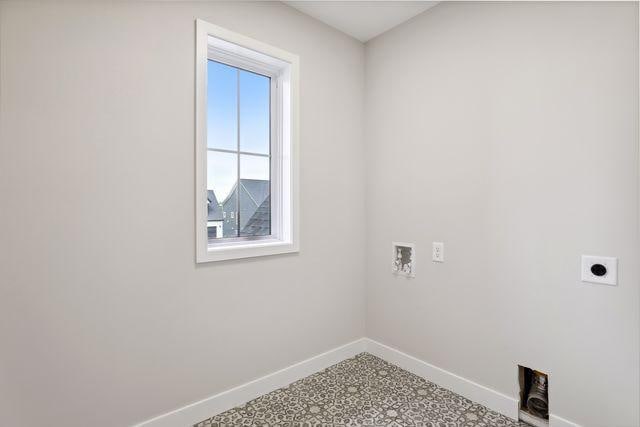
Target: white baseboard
[
  {"x": 556, "y": 421},
  {"x": 492, "y": 399},
  {"x": 195, "y": 412}
]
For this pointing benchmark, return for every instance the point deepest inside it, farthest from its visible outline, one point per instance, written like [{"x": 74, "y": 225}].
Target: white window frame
[{"x": 219, "y": 44}]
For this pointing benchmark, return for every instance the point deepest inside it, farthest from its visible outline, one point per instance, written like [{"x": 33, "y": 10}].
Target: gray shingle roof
[
  {"x": 253, "y": 193},
  {"x": 260, "y": 222},
  {"x": 213, "y": 207},
  {"x": 255, "y": 208}
]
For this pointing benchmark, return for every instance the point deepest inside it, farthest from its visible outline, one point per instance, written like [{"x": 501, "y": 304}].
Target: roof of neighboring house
[
  {"x": 260, "y": 222},
  {"x": 213, "y": 207},
  {"x": 256, "y": 189},
  {"x": 255, "y": 206},
  {"x": 253, "y": 193}
]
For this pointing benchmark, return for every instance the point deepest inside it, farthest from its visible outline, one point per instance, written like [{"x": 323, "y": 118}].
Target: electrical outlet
[
  {"x": 438, "y": 252},
  {"x": 599, "y": 269}
]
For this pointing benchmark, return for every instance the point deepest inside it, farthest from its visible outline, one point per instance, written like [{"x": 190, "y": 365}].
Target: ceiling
[{"x": 362, "y": 20}]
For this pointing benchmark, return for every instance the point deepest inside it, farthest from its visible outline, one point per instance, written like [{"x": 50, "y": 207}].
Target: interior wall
[
  {"x": 509, "y": 131},
  {"x": 105, "y": 320}
]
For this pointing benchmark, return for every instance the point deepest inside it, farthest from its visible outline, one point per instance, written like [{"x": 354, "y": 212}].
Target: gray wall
[
  {"x": 105, "y": 320},
  {"x": 488, "y": 126},
  {"x": 509, "y": 131}
]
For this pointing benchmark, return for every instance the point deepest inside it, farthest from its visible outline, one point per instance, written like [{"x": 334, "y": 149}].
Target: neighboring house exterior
[
  {"x": 215, "y": 218},
  {"x": 254, "y": 217}
]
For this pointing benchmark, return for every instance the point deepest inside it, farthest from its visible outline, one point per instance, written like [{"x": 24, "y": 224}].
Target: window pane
[
  {"x": 222, "y": 106},
  {"x": 222, "y": 195},
  {"x": 255, "y": 196},
  {"x": 254, "y": 112}
]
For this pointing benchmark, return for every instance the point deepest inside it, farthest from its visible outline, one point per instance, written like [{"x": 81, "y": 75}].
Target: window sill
[{"x": 237, "y": 250}]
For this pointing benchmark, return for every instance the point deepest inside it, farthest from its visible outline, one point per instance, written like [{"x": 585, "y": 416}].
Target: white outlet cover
[
  {"x": 438, "y": 252},
  {"x": 611, "y": 265}
]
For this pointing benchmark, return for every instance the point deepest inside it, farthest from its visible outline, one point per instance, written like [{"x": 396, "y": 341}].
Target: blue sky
[{"x": 223, "y": 104}]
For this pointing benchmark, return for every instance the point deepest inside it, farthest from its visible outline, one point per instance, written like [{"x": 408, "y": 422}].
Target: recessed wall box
[
  {"x": 534, "y": 397},
  {"x": 599, "y": 269}
]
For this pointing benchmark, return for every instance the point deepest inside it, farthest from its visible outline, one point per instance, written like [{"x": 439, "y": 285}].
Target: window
[
  {"x": 246, "y": 153},
  {"x": 238, "y": 151}
]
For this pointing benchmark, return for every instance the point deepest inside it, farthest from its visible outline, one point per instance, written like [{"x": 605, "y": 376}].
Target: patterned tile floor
[{"x": 362, "y": 391}]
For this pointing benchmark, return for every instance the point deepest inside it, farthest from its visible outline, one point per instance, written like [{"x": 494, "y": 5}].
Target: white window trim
[{"x": 283, "y": 67}]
